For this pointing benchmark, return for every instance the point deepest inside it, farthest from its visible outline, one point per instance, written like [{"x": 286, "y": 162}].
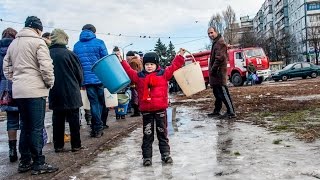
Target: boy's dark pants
[
  {"x": 149, "y": 120},
  {"x": 58, "y": 120}
]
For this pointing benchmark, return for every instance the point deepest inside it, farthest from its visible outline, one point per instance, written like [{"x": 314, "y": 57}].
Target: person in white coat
[{"x": 29, "y": 66}]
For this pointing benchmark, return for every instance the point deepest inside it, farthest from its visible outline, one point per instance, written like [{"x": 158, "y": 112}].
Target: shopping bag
[
  {"x": 85, "y": 100},
  {"x": 254, "y": 77},
  {"x": 6, "y": 96},
  {"x": 110, "y": 99}
]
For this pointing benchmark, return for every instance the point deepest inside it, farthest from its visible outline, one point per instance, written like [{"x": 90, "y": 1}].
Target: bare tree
[
  {"x": 248, "y": 39},
  {"x": 229, "y": 17},
  {"x": 216, "y": 22},
  {"x": 286, "y": 46},
  {"x": 314, "y": 39}
]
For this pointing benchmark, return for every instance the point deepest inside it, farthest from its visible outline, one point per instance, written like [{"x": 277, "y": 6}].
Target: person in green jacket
[{"x": 251, "y": 69}]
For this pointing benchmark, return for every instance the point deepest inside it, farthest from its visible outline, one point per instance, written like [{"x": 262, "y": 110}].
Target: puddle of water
[
  {"x": 217, "y": 150},
  {"x": 193, "y": 100},
  {"x": 302, "y": 98}
]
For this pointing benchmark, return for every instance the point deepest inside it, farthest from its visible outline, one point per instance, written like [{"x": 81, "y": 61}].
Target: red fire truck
[{"x": 238, "y": 60}]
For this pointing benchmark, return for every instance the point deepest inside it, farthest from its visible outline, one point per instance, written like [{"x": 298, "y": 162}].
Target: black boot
[
  {"x": 13, "y": 150},
  {"x": 87, "y": 116},
  {"x": 136, "y": 111}
]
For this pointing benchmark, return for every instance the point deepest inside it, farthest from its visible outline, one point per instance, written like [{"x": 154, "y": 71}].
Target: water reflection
[
  {"x": 167, "y": 171},
  {"x": 225, "y": 154}
]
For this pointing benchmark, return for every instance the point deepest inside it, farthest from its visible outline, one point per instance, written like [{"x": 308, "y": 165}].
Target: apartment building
[{"x": 275, "y": 18}]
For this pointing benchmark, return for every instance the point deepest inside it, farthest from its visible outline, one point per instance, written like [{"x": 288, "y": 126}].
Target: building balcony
[
  {"x": 279, "y": 7},
  {"x": 309, "y": 1},
  {"x": 279, "y": 19},
  {"x": 313, "y": 12}
]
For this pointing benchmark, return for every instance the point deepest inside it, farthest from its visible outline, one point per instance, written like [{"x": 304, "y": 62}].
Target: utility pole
[
  {"x": 306, "y": 27},
  {"x": 125, "y": 47}
]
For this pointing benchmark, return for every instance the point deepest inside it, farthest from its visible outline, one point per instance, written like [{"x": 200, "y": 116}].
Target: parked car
[{"x": 299, "y": 69}]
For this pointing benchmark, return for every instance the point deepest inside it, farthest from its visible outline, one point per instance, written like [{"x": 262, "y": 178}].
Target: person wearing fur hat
[
  {"x": 136, "y": 64},
  {"x": 152, "y": 86},
  {"x": 64, "y": 97},
  {"x": 29, "y": 65}
]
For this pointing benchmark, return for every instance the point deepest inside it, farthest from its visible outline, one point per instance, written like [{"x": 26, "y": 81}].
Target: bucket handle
[{"x": 193, "y": 59}]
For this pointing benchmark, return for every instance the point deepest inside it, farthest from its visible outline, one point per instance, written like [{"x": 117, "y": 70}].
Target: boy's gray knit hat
[{"x": 58, "y": 36}]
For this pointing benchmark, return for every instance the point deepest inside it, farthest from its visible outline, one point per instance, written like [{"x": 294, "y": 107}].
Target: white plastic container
[
  {"x": 111, "y": 100},
  {"x": 190, "y": 78}
]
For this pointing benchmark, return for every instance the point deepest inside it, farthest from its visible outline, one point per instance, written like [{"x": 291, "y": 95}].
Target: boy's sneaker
[
  {"x": 24, "y": 167},
  {"x": 44, "y": 168},
  {"x": 167, "y": 160},
  {"x": 147, "y": 162}
]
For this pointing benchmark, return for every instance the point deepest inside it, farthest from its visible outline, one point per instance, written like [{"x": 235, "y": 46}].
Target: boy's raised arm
[
  {"x": 177, "y": 63},
  {"x": 133, "y": 75}
]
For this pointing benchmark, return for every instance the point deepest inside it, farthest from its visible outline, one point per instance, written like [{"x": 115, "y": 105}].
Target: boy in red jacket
[{"x": 152, "y": 86}]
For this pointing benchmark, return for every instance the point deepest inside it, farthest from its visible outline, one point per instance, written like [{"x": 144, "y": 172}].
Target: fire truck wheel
[{"x": 237, "y": 80}]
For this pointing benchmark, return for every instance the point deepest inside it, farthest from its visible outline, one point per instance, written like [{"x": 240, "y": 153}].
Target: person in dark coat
[
  {"x": 12, "y": 110},
  {"x": 218, "y": 75},
  {"x": 64, "y": 97}
]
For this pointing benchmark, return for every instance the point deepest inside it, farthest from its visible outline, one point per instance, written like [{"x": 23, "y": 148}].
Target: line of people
[
  {"x": 43, "y": 67},
  {"x": 37, "y": 72}
]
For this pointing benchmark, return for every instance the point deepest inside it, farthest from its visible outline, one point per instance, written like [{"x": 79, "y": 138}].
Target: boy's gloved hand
[
  {"x": 181, "y": 52},
  {"x": 118, "y": 53}
]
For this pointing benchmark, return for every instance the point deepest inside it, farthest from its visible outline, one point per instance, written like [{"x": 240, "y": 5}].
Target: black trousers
[
  {"x": 149, "y": 120},
  {"x": 222, "y": 95},
  {"x": 59, "y": 118},
  {"x": 32, "y": 114}
]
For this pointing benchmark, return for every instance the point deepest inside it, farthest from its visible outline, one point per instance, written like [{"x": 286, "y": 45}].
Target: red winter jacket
[{"x": 153, "y": 87}]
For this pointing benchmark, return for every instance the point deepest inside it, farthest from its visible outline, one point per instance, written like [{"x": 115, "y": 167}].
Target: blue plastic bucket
[
  {"x": 111, "y": 73},
  {"x": 121, "y": 109}
]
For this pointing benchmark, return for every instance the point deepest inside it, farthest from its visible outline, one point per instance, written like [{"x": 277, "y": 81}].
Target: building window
[
  {"x": 315, "y": 18},
  {"x": 313, "y": 6}
]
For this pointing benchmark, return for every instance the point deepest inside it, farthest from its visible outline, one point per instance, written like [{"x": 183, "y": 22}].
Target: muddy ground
[
  {"x": 292, "y": 106},
  {"x": 283, "y": 106}
]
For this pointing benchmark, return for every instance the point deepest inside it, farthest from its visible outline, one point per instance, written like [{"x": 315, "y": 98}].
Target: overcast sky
[{"x": 181, "y": 20}]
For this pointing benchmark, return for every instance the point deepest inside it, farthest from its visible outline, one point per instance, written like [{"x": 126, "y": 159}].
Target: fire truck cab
[{"x": 238, "y": 60}]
